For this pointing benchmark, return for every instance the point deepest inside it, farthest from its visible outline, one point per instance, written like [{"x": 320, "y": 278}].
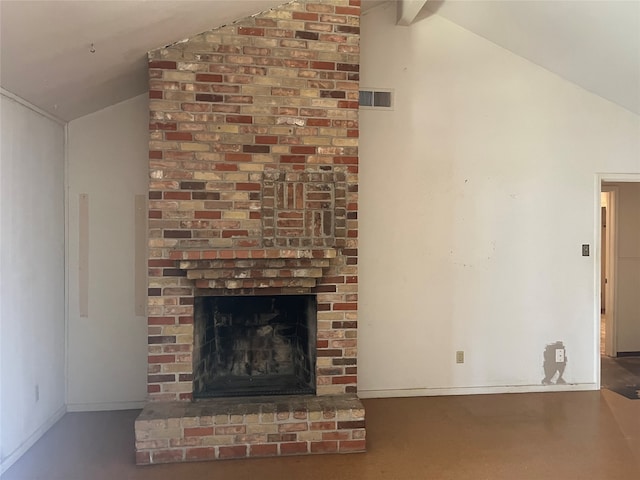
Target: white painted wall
[
  {"x": 628, "y": 267},
  {"x": 107, "y": 154},
  {"x": 477, "y": 191},
  {"x": 476, "y": 194},
  {"x": 32, "y": 277}
]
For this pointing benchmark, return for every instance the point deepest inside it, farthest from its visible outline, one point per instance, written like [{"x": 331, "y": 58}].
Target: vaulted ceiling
[
  {"x": 74, "y": 57},
  {"x": 594, "y": 44},
  {"x": 46, "y": 55}
]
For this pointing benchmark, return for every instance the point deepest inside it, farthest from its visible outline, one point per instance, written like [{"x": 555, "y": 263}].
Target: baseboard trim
[
  {"x": 31, "y": 440},
  {"x": 481, "y": 390},
  {"x": 105, "y": 406}
]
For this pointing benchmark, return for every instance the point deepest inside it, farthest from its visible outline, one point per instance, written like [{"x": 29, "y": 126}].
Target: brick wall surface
[
  {"x": 240, "y": 118},
  {"x": 225, "y": 428}
]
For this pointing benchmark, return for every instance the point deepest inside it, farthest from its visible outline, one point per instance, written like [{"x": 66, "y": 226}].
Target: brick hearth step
[{"x": 242, "y": 427}]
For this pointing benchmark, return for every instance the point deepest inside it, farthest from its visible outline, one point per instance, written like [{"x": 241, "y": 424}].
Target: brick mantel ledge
[
  {"x": 251, "y": 253},
  {"x": 233, "y": 269}
]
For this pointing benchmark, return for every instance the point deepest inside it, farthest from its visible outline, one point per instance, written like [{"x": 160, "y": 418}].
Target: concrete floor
[{"x": 573, "y": 435}]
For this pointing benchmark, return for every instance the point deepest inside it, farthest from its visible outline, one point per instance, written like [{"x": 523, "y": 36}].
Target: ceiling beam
[{"x": 408, "y": 10}]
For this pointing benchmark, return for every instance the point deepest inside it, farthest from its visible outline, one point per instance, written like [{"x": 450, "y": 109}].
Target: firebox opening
[{"x": 254, "y": 345}]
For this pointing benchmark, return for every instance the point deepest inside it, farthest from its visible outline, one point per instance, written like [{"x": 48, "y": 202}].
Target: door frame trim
[{"x": 611, "y": 305}]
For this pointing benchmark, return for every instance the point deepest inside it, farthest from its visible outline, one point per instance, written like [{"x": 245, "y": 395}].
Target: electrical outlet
[
  {"x": 559, "y": 355},
  {"x": 37, "y": 393},
  {"x": 460, "y": 356}
]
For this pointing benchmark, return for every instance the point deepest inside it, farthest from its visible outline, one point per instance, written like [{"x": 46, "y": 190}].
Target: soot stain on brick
[{"x": 555, "y": 362}]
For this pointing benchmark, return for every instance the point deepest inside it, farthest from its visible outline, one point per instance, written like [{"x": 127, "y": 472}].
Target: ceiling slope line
[{"x": 408, "y": 10}]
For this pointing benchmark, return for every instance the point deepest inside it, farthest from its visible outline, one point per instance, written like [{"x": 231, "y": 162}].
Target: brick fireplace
[{"x": 253, "y": 201}]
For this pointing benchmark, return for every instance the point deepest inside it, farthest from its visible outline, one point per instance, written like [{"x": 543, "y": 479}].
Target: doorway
[{"x": 618, "y": 272}]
